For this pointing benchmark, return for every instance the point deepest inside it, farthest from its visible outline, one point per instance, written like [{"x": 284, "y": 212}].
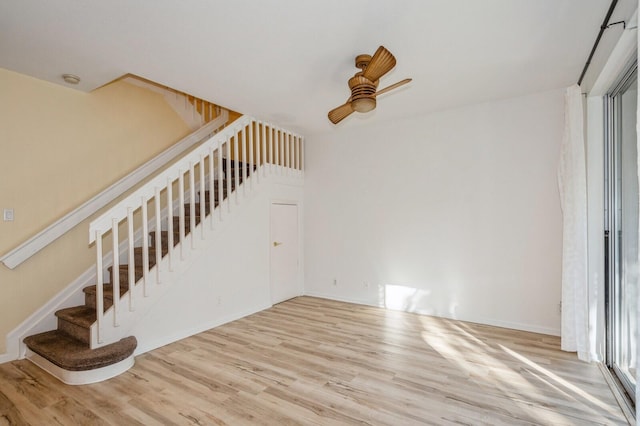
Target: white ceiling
[{"x": 288, "y": 61}]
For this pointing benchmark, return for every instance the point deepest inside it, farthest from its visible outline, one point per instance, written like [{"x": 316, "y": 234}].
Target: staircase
[{"x": 91, "y": 343}]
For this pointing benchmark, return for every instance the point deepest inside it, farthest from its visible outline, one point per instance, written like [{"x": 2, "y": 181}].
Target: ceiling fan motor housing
[{"x": 362, "y": 91}]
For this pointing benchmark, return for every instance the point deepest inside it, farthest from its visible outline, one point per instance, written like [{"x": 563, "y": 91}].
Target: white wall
[
  {"x": 227, "y": 279},
  {"x": 454, "y": 214}
]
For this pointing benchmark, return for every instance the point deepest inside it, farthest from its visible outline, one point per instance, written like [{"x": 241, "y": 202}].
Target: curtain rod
[{"x": 604, "y": 26}]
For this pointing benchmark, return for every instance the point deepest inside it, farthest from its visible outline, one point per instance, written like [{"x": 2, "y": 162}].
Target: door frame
[{"x": 300, "y": 274}]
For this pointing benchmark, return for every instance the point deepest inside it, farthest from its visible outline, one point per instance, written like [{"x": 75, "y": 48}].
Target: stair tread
[
  {"x": 107, "y": 289},
  {"x": 187, "y": 207},
  {"x": 82, "y": 316},
  {"x": 71, "y": 354},
  {"x": 187, "y": 222},
  {"x": 138, "y": 268},
  {"x": 152, "y": 252},
  {"x": 164, "y": 238}
]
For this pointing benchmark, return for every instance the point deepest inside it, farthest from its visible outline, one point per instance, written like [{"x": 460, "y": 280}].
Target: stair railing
[
  {"x": 216, "y": 120},
  {"x": 246, "y": 151}
]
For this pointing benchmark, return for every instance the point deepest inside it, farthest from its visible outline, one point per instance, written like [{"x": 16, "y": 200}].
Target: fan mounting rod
[{"x": 362, "y": 61}]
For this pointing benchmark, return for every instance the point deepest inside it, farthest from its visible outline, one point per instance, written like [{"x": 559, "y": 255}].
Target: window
[{"x": 621, "y": 230}]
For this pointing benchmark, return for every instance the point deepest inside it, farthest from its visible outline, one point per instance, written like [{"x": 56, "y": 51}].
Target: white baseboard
[{"x": 485, "y": 321}]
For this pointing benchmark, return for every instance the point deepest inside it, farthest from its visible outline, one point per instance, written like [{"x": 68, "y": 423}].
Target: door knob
[{"x": 276, "y": 243}]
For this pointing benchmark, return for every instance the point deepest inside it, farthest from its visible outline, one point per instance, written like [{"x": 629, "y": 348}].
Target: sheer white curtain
[{"x": 572, "y": 181}]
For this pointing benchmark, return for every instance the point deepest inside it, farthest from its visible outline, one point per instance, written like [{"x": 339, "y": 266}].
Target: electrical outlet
[{"x": 8, "y": 215}]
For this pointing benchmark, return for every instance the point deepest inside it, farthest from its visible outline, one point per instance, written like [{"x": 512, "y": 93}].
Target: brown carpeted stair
[
  {"x": 74, "y": 355},
  {"x": 68, "y": 345}
]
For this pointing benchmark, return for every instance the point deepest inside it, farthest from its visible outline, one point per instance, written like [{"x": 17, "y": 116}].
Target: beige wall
[{"x": 59, "y": 147}]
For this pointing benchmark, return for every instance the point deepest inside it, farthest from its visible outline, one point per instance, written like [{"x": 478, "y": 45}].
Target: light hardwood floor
[{"x": 316, "y": 361}]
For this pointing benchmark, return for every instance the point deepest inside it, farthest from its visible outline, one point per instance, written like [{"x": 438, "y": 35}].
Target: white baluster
[
  {"x": 132, "y": 256},
  {"x": 220, "y": 180},
  {"x": 228, "y": 174},
  {"x": 243, "y": 140},
  {"x": 271, "y": 138},
  {"x": 263, "y": 143},
  {"x": 115, "y": 274},
  {"x": 302, "y": 155},
  {"x": 277, "y": 149},
  {"x": 99, "y": 288},
  {"x": 236, "y": 171},
  {"x": 158, "y": 239},
  {"x": 250, "y": 170},
  {"x": 145, "y": 249},
  {"x": 192, "y": 204},
  {"x": 287, "y": 150},
  {"x": 169, "y": 223},
  {"x": 212, "y": 188},
  {"x": 274, "y": 150},
  {"x": 203, "y": 197},
  {"x": 181, "y": 232},
  {"x": 281, "y": 150},
  {"x": 292, "y": 158},
  {"x": 283, "y": 143},
  {"x": 255, "y": 137},
  {"x": 297, "y": 145},
  {"x": 295, "y": 153}
]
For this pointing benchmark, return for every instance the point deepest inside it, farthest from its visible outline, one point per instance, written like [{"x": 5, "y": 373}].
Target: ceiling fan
[{"x": 364, "y": 84}]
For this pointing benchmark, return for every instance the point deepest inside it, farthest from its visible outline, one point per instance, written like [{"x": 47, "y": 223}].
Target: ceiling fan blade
[
  {"x": 336, "y": 115},
  {"x": 393, "y": 86},
  {"x": 381, "y": 63}
]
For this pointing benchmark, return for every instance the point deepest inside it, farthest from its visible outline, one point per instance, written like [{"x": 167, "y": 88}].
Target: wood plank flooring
[{"x": 320, "y": 362}]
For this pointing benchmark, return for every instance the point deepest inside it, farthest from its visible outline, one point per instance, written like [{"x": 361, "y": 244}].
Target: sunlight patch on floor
[
  {"x": 557, "y": 379},
  {"x": 486, "y": 365},
  {"x": 503, "y": 373}
]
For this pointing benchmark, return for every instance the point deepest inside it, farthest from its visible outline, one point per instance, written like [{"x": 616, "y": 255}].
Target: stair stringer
[{"x": 201, "y": 290}]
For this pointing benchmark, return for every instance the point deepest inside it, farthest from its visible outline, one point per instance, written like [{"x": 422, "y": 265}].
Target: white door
[{"x": 284, "y": 252}]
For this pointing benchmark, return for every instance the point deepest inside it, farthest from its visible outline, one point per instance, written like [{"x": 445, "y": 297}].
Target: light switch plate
[{"x": 8, "y": 215}]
